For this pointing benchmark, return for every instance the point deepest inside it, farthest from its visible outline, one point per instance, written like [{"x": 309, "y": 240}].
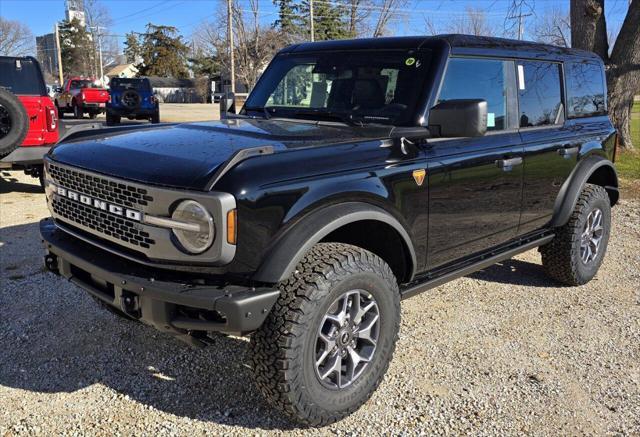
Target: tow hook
[
  {"x": 51, "y": 263},
  {"x": 130, "y": 304}
]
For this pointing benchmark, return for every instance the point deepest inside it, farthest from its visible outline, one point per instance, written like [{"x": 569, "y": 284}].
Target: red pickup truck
[
  {"x": 28, "y": 119},
  {"x": 79, "y": 96}
]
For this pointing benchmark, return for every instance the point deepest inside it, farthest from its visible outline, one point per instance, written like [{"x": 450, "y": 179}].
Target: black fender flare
[
  {"x": 285, "y": 254},
  {"x": 572, "y": 187}
]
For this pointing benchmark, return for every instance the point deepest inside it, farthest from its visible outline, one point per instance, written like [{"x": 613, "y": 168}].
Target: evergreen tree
[
  {"x": 288, "y": 19},
  {"x": 163, "y": 52},
  {"x": 330, "y": 20},
  {"x": 132, "y": 48},
  {"x": 78, "y": 56}
]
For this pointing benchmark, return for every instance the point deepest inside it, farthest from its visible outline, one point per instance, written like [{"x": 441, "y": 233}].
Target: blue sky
[{"x": 133, "y": 15}]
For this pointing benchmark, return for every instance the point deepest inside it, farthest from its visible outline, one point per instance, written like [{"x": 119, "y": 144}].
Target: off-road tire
[
  {"x": 77, "y": 111},
  {"x": 155, "y": 118},
  {"x": 59, "y": 110},
  {"x": 561, "y": 257},
  {"x": 17, "y": 119},
  {"x": 93, "y": 115},
  {"x": 282, "y": 351}
]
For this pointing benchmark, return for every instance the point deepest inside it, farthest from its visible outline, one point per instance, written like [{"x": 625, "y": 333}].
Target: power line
[{"x": 142, "y": 10}]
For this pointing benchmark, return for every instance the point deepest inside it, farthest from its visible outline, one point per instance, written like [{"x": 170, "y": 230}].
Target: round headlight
[{"x": 199, "y": 237}]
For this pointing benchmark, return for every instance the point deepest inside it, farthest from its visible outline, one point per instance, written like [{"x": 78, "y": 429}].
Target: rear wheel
[
  {"x": 155, "y": 118},
  {"x": 574, "y": 256},
  {"x": 93, "y": 115},
  {"x": 77, "y": 111},
  {"x": 329, "y": 339}
]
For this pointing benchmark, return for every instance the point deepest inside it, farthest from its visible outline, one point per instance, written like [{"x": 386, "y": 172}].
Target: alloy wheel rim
[
  {"x": 347, "y": 339},
  {"x": 591, "y": 236},
  {"x": 5, "y": 122}
]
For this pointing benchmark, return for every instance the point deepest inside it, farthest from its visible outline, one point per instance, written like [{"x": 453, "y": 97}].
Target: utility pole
[
  {"x": 59, "y": 54},
  {"x": 230, "y": 36},
  {"x": 520, "y": 17},
  {"x": 98, "y": 29},
  {"x": 100, "y": 51},
  {"x": 311, "y": 20}
]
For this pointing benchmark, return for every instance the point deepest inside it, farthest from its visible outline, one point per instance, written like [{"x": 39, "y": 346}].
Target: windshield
[
  {"x": 83, "y": 83},
  {"x": 365, "y": 87},
  {"x": 21, "y": 77},
  {"x": 136, "y": 84}
]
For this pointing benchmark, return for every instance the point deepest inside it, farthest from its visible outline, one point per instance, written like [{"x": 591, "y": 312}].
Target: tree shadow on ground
[{"x": 9, "y": 184}]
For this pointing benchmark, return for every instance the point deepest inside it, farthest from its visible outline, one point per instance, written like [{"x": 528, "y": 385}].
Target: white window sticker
[
  {"x": 521, "y": 77},
  {"x": 491, "y": 119}
]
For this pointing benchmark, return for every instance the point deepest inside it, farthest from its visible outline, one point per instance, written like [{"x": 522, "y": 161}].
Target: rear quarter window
[
  {"x": 21, "y": 77},
  {"x": 585, "y": 89}
]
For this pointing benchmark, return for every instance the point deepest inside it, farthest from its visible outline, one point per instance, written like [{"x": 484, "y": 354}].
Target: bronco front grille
[
  {"x": 101, "y": 222},
  {"x": 94, "y": 186}
]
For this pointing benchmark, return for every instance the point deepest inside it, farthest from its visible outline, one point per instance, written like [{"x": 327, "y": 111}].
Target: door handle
[
  {"x": 568, "y": 151},
  {"x": 508, "y": 164}
]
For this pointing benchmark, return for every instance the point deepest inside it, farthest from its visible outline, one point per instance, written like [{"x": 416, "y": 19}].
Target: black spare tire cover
[
  {"x": 131, "y": 99},
  {"x": 14, "y": 123}
]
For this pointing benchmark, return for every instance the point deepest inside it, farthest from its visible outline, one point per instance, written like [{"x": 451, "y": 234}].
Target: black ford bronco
[{"x": 358, "y": 173}]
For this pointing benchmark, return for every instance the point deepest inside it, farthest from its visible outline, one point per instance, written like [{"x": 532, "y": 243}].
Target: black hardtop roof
[{"x": 459, "y": 45}]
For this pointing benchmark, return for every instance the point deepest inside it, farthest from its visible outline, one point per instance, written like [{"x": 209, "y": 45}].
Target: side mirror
[
  {"x": 459, "y": 118},
  {"x": 227, "y": 105}
]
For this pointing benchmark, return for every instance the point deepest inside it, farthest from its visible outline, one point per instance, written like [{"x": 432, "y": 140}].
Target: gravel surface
[{"x": 503, "y": 351}]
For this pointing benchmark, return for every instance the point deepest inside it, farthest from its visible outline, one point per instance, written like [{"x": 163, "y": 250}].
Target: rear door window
[
  {"x": 585, "y": 89},
  {"x": 539, "y": 94},
  {"x": 21, "y": 77},
  {"x": 488, "y": 79}
]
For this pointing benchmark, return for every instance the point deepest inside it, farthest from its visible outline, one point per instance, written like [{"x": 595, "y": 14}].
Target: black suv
[{"x": 357, "y": 174}]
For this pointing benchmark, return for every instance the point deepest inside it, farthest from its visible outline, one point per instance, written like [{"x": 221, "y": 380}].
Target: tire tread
[{"x": 274, "y": 349}]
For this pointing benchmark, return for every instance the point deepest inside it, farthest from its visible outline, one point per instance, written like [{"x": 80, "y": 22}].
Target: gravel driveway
[{"x": 503, "y": 351}]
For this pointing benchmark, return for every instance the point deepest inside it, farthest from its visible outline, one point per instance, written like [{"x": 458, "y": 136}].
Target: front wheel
[
  {"x": 93, "y": 115},
  {"x": 329, "y": 339},
  {"x": 155, "y": 118},
  {"x": 574, "y": 256}
]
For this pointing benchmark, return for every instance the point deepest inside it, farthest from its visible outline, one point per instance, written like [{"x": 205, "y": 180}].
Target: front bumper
[
  {"x": 94, "y": 105},
  {"x": 172, "y": 302}
]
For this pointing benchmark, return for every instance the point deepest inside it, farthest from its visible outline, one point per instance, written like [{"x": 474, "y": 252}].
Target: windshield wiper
[{"x": 337, "y": 116}]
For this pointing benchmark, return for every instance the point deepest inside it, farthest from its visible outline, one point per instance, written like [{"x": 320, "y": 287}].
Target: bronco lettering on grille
[{"x": 131, "y": 214}]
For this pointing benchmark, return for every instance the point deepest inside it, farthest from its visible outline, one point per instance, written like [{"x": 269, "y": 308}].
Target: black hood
[{"x": 187, "y": 155}]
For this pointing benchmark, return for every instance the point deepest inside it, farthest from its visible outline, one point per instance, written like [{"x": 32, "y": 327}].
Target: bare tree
[
  {"x": 99, "y": 23},
  {"x": 386, "y": 11},
  {"x": 473, "y": 22},
  {"x": 359, "y": 12},
  {"x": 254, "y": 44},
  {"x": 16, "y": 39},
  {"x": 432, "y": 29},
  {"x": 554, "y": 27},
  {"x": 589, "y": 32}
]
